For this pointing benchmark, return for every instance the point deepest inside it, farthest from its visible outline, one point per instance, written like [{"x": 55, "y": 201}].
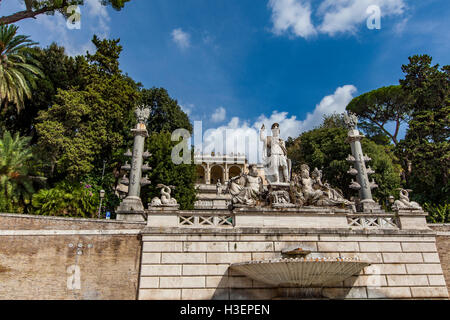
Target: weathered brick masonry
[{"x": 38, "y": 257}]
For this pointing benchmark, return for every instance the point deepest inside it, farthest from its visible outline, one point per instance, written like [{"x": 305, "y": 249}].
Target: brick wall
[
  {"x": 30, "y": 222},
  {"x": 43, "y": 258},
  {"x": 195, "y": 265},
  {"x": 443, "y": 246}
]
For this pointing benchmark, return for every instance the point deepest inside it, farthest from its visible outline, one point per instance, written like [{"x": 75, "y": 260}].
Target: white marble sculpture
[
  {"x": 247, "y": 188},
  {"x": 166, "y": 198},
  {"x": 219, "y": 187},
  {"x": 308, "y": 189},
  {"x": 142, "y": 113},
  {"x": 404, "y": 202},
  {"x": 276, "y": 164},
  {"x": 351, "y": 120}
]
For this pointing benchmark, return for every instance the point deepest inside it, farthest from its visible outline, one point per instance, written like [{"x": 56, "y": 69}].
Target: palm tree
[
  {"x": 18, "y": 69},
  {"x": 16, "y": 185}
]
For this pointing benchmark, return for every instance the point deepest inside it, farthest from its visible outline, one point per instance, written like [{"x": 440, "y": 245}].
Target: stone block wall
[
  {"x": 188, "y": 264},
  {"x": 443, "y": 246},
  {"x": 58, "y": 258}
]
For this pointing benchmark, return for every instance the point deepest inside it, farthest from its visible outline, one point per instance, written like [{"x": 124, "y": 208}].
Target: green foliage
[
  {"x": 67, "y": 199},
  {"x": 166, "y": 114},
  {"x": 60, "y": 72},
  {"x": 15, "y": 185},
  {"x": 437, "y": 213},
  {"x": 379, "y": 107},
  {"x": 326, "y": 148},
  {"x": 18, "y": 69},
  {"x": 334, "y": 120},
  {"x": 108, "y": 184},
  {"x": 387, "y": 171},
  {"x": 91, "y": 123},
  {"x": 164, "y": 171},
  {"x": 426, "y": 144}
]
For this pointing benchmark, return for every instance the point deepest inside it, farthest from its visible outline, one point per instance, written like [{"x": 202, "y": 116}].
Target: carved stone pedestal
[
  {"x": 279, "y": 195},
  {"x": 369, "y": 205},
  {"x": 131, "y": 209}
]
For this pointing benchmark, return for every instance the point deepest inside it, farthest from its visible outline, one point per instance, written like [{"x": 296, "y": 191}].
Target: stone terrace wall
[
  {"x": 40, "y": 255},
  {"x": 183, "y": 263},
  {"x": 443, "y": 246}
]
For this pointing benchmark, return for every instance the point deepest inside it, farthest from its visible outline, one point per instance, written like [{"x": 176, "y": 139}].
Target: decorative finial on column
[
  {"x": 142, "y": 113},
  {"x": 351, "y": 120}
]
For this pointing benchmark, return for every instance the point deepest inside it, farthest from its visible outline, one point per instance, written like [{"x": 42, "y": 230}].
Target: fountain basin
[{"x": 301, "y": 272}]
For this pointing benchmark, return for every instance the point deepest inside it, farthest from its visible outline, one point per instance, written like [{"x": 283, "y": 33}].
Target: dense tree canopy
[
  {"x": 90, "y": 123},
  {"x": 164, "y": 171},
  {"x": 380, "y": 107},
  {"x": 166, "y": 114},
  {"x": 59, "y": 72},
  {"x": 426, "y": 143},
  {"x": 327, "y": 149}
]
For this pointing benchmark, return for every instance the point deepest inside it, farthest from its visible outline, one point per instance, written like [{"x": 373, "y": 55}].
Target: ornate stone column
[
  {"x": 358, "y": 159},
  {"x": 131, "y": 208},
  {"x": 226, "y": 175},
  {"x": 208, "y": 173}
]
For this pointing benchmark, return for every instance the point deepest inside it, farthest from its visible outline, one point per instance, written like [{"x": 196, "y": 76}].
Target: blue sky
[{"x": 240, "y": 63}]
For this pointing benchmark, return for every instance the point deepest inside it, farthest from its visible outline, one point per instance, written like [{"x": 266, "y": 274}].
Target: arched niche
[
  {"x": 201, "y": 174},
  {"x": 234, "y": 171},
  {"x": 216, "y": 174}
]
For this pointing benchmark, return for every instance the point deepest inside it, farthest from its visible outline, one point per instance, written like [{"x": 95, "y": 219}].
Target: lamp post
[
  {"x": 102, "y": 196},
  {"x": 391, "y": 200},
  {"x": 104, "y": 166}
]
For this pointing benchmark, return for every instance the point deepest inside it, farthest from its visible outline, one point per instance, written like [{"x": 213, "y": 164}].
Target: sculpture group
[{"x": 284, "y": 189}]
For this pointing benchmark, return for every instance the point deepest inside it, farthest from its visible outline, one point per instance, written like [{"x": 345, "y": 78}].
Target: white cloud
[
  {"x": 240, "y": 136},
  {"x": 401, "y": 26},
  {"x": 56, "y": 31},
  {"x": 335, "y": 16},
  {"x": 181, "y": 38},
  {"x": 219, "y": 115},
  {"x": 347, "y": 15},
  {"x": 292, "y": 16},
  {"x": 335, "y": 103},
  {"x": 187, "y": 108},
  {"x": 46, "y": 29},
  {"x": 96, "y": 10},
  {"x": 236, "y": 137}
]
